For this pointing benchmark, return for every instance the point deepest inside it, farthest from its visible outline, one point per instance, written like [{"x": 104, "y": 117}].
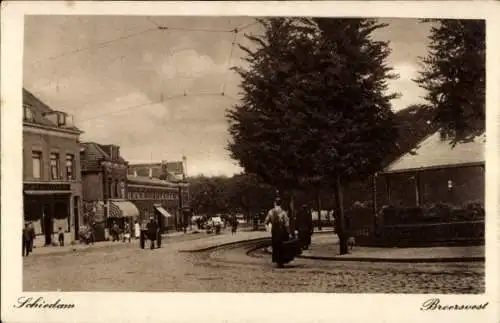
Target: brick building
[
  {"x": 436, "y": 172},
  {"x": 171, "y": 171},
  {"x": 174, "y": 173},
  {"x": 52, "y": 187},
  {"x": 104, "y": 188},
  {"x": 158, "y": 198}
]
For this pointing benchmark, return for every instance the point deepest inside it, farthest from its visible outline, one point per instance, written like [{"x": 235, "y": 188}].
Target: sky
[{"x": 108, "y": 72}]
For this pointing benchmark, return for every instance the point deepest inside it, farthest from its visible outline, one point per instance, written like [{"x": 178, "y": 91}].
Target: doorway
[
  {"x": 48, "y": 224},
  {"x": 76, "y": 214}
]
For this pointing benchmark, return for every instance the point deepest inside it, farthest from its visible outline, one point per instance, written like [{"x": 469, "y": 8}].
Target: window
[
  {"x": 109, "y": 191},
  {"x": 117, "y": 190},
  {"x": 37, "y": 164},
  {"x": 28, "y": 114},
  {"x": 70, "y": 164},
  {"x": 54, "y": 166}
]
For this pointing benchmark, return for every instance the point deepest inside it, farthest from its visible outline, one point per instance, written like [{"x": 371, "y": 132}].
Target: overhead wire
[
  {"x": 102, "y": 44},
  {"x": 228, "y": 69},
  {"x": 157, "y": 27},
  {"x": 172, "y": 97}
]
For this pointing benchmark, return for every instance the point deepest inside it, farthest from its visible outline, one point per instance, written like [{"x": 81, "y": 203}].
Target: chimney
[
  {"x": 184, "y": 167},
  {"x": 117, "y": 152},
  {"x": 135, "y": 172},
  {"x": 150, "y": 172}
]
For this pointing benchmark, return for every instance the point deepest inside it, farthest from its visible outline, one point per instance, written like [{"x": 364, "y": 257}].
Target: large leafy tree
[
  {"x": 453, "y": 73},
  {"x": 316, "y": 111}
]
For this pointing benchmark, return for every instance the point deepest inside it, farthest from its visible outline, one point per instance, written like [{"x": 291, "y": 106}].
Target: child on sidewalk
[{"x": 61, "y": 237}]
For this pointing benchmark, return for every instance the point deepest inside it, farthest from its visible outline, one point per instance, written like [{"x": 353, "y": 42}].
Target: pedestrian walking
[
  {"x": 32, "y": 236},
  {"x": 137, "y": 229},
  {"x": 280, "y": 232},
  {"x": 304, "y": 226},
  {"x": 91, "y": 233},
  {"x": 60, "y": 234},
  {"x": 234, "y": 224},
  {"x": 152, "y": 229},
  {"x": 26, "y": 240},
  {"x": 115, "y": 232},
  {"x": 127, "y": 232}
]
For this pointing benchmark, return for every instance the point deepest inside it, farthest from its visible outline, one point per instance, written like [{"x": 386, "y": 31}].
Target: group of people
[{"x": 288, "y": 243}]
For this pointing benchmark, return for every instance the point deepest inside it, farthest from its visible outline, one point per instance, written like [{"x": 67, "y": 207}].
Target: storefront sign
[{"x": 46, "y": 187}]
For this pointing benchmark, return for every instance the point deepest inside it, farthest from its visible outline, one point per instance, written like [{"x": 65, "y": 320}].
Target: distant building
[
  {"x": 161, "y": 199},
  {"x": 437, "y": 172},
  {"x": 104, "y": 179},
  {"x": 171, "y": 171},
  {"x": 52, "y": 188}
]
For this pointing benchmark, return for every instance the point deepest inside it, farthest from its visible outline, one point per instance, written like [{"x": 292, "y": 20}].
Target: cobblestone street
[{"x": 126, "y": 267}]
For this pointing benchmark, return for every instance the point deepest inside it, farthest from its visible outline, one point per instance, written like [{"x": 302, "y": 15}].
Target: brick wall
[
  {"x": 46, "y": 143},
  {"x": 92, "y": 187}
]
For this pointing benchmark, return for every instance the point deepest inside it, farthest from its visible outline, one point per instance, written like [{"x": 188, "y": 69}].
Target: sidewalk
[
  {"x": 325, "y": 247},
  {"x": 195, "y": 241},
  {"x": 215, "y": 241}
]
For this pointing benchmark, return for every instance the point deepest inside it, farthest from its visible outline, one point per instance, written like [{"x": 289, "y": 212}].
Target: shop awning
[
  {"x": 119, "y": 209},
  {"x": 163, "y": 211}
]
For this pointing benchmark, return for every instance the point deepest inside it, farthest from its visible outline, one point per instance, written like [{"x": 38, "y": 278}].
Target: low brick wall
[{"x": 415, "y": 235}]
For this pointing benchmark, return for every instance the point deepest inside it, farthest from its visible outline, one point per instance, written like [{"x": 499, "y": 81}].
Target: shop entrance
[{"x": 47, "y": 223}]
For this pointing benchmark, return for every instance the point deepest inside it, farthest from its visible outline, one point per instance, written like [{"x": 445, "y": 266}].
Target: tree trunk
[
  {"x": 292, "y": 211},
  {"x": 339, "y": 218},
  {"x": 318, "y": 207}
]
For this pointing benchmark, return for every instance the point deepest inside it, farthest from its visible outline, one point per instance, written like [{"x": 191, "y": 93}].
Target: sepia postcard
[{"x": 319, "y": 161}]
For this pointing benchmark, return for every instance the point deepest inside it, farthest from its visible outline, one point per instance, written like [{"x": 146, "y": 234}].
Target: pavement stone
[
  {"x": 231, "y": 269},
  {"x": 325, "y": 247}
]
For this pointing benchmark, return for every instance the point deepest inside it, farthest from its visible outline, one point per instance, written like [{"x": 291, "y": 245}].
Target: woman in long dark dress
[{"x": 280, "y": 232}]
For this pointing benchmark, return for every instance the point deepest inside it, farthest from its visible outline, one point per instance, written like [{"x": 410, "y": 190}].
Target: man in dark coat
[
  {"x": 152, "y": 229},
  {"x": 304, "y": 226},
  {"x": 26, "y": 240},
  {"x": 280, "y": 232}
]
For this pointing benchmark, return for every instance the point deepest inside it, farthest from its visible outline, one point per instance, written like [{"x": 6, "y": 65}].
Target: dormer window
[
  {"x": 27, "y": 113},
  {"x": 61, "y": 119}
]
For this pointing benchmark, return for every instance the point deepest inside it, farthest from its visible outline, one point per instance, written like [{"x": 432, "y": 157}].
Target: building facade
[
  {"x": 159, "y": 199},
  {"x": 436, "y": 172},
  {"x": 52, "y": 188},
  {"x": 170, "y": 171},
  {"x": 104, "y": 188}
]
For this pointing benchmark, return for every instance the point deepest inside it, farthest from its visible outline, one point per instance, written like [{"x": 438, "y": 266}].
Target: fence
[{"x": 413, "y": 227}]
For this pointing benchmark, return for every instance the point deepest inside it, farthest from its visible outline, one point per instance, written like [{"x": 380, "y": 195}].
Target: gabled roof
[
  {"x": 40, "y": 109},
  {"x": 101, "y": 151},
  {"x": 435, "y": 152}
]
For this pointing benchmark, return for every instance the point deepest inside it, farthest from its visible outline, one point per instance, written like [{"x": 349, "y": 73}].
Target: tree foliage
[
  {"x": 316, "y": 109},
  {"x": 243, "y": 193},
  {"x": 453, "y": 73}
]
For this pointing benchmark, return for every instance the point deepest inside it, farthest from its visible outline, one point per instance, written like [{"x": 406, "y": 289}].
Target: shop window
[
  {"x": 54, "y": 166},
  {"x": 37, "y": 164},
  {"x": 70, "y": 167}
]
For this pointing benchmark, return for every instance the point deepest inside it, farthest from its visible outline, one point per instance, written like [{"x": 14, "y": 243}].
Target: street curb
[
  {"x": 226, "y": 244},
  {"x": 394, "y": 260},
  {"x": 238, "y": 242}
]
